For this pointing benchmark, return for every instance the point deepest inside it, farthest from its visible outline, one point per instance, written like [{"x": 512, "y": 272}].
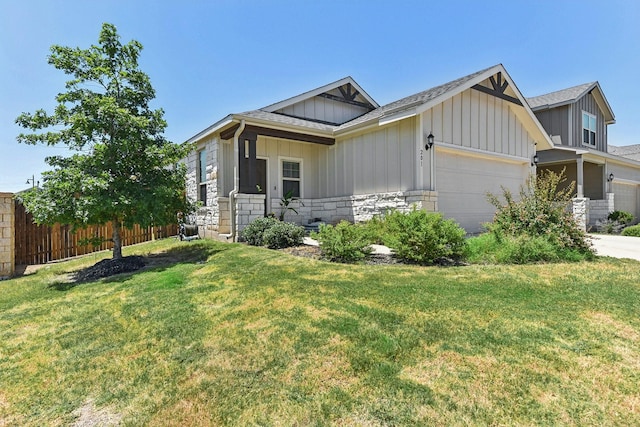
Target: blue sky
[{"x": 207, "y": 59}]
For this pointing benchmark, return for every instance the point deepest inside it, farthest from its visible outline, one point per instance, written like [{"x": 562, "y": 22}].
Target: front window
[
  {"x": 588, "y": 129},
  {"x": 291, "y": 178},
  {"x": 202, "y": 176}
]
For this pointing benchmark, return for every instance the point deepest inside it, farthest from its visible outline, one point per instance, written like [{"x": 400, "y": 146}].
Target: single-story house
[
  {"x": 346, "y": 157},
  {"x": 607, "y": 178}
]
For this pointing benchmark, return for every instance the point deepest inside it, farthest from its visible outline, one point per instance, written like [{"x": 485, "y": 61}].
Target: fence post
[{"x": 7, "y": 235}]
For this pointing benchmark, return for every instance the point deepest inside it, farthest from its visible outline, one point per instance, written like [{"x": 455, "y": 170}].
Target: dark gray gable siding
[
  {"x": 556, "y": 122},
  {"x": 588, "y": 103}
]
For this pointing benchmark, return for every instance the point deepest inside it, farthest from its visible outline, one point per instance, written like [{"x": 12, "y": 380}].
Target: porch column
[
  {"x": 247, "y": 151},
  {"x": 580, "y": 177}
]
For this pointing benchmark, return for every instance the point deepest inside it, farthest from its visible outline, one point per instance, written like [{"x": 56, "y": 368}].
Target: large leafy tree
[{"x": 123, "y": 170}]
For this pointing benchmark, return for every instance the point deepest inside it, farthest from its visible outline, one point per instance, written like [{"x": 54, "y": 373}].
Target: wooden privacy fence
[{"x": 38, "y": 244}]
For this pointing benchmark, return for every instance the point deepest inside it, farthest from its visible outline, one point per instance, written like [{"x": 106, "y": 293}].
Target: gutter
[{"x": 236, "y": 182}]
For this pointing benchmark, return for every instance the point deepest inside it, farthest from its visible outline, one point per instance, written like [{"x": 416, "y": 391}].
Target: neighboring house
[
  {"x": 346, "y": 157},
  {"x": 576, "y": 120}
]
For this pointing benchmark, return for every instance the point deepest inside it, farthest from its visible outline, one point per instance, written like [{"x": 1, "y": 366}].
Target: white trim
[
  {"x": 314, "y": 92},
  {"x": 474, "y": 152},
  {"x": 281, "y": 178},
  {"x": 595, "y": 132},
  {"x": 405, "y": 114}
]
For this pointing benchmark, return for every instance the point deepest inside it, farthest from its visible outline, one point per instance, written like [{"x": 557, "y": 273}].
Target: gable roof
[
  {"x": 630, "y": 151},
  {"x": 406, "y": 104},
  {"x": 571, "y": 95},
  {"x": 272, "y": 115},
  {"x": 322, "y": 90}
]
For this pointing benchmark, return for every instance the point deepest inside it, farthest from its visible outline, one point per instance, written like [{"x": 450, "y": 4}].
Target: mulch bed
[{"x": 109, "y": 267}]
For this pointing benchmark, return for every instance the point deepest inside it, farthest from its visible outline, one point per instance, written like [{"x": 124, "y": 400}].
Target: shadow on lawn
[{"x": 118, "y": 271}]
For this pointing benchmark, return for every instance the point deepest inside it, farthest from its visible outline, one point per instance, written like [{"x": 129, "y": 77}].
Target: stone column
[
  {"x": 7, "y": 235},
  {"x": 581, "y": 211}
]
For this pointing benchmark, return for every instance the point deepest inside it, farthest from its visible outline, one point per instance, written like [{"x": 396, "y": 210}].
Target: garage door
[
  {"x": 626, "y": 197},
  {"x": 463, "y": 183}
]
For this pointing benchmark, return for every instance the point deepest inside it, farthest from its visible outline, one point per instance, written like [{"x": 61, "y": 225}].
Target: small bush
[
  {"x": 634, "y": 231},
  {"x": 345, "y": 242},
  {"x": 540, "y": 211},
  {"x": 283, "y": 235},
  {"x": 423, "y": 237},
  {"x": 253, "y": 233},
  {"x": 621, "y": 216},
  {"x": 488, "y": 248}
]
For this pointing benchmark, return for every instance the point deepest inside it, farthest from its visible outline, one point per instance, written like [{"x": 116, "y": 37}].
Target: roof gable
[
  {"x": 345, "y": 100},
  {"x": 571, "y": 95},
  {"x": 493, "y": 80}
]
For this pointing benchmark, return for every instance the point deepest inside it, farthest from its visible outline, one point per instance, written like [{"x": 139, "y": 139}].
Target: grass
[{"x": 227, "y": 334}]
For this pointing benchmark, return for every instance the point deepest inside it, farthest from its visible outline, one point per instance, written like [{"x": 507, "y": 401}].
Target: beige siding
[
  {"x": 375, "y": 162},
  {"x": 274, "y": 150},
  {"x": 480, "y": 122},
  {"x": 326, "y": 110}
]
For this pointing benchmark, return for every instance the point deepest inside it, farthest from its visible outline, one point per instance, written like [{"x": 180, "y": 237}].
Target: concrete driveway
[{"x": 616, "y": 246}]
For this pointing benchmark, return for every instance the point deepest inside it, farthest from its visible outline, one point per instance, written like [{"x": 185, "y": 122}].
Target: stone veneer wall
[
  {"x": 581, "y": 211},
  {"x": 7, "y": 235},
  {"x": 206, "y": 217},
  {"x": 600, "y": 209},
  {"x": 358, "y": 208},
  {"x": 248, "y": 208}
]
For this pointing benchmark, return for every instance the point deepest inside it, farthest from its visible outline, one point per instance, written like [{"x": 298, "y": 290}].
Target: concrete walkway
[{"x": 616, "y": 246}]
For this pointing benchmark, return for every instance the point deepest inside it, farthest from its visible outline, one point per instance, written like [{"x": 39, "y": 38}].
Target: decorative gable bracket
[
  {"x": 499, "y": 87},
  {"x": 348, "y": 96}
]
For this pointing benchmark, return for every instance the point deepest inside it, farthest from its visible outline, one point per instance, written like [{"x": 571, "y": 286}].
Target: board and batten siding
[
  {"x": 556, "y": 122},
  {"x": 479, "y": 121},
  {"x": 588, "y": 103},
  {"x": 323, "y": 109},
  {"x": 378, "y": 161}
]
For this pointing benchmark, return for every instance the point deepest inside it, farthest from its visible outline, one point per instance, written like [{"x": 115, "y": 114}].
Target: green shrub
[
  {"x": 634, "y": 231},
  {"x": 345, "y": 242},
  {"x": 423, "y": 237},
  {"x": 621, "y": 216},
  {"x": 283, "y": 235},
  {"x": 488, "y": 248},
  {"x": 254, "y": 232},
  {"x": 540, "y": 211}
]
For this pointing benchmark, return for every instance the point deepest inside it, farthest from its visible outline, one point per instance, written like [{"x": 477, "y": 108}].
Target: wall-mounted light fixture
[
  {"x": 610, "y": 178},
  {"x": 534, "y": 160},
  {"x": 429, "y": 143}
]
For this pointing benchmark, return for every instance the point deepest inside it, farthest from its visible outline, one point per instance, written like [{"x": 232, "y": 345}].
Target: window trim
[
  {"x": 281, "y": 178},
  {"x": 583, "y": 128},
  {"x": 199, "y": 173}
]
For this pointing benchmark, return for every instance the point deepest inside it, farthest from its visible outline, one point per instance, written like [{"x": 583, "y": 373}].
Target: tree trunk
[{"x": 117, "y": 240}]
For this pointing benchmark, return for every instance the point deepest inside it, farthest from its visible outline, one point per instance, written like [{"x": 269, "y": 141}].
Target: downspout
[{"x": 236, "y": 181}]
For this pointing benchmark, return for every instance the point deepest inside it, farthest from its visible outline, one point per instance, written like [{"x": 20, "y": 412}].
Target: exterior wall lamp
[
  {"x": 429, "y": 143},
  {"x": 610, "y": 178},
  {"x": 535, "y": 159}
]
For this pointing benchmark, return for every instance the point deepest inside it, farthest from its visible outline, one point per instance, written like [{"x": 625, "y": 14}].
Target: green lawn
[{"x": 238, "y": 335}]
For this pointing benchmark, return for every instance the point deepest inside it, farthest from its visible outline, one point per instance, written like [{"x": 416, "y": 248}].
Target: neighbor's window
[
  {"x": 588, "y": 128},
  {"x": 202, "y": 176},
  {"x": 291, "y": 177}
]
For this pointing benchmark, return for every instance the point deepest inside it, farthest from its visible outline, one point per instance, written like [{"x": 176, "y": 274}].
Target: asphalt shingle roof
[
  {"x": 559, "y": 96},
  {"x": 288, "y": 120},
  {"x": 630, "y": 151},
  {"x": 412, "y": 100}
]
